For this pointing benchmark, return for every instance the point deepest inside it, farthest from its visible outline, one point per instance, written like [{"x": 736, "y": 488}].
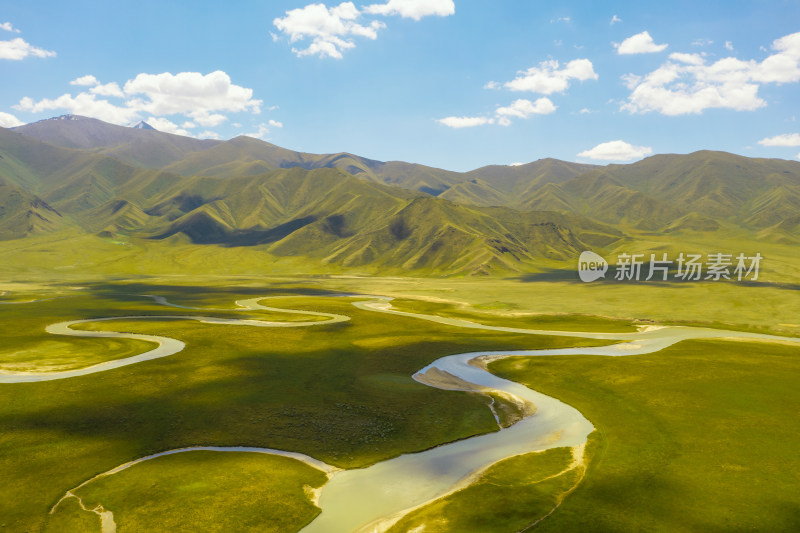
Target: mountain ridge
[{"x": 353, "y": 211}]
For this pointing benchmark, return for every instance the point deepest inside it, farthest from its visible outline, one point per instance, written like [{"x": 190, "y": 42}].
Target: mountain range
[{"x": 74, "y": 173}]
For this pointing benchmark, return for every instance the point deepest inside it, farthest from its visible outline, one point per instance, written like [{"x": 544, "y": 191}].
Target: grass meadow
[{"x": 700, "y": 436}]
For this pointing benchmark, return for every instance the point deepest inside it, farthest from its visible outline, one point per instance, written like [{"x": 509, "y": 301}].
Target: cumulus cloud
[
  {"x": 18, "y": 48},
  {"x": 201, "y": 98},
  {"x": 86, "y": 81},
  {"x": 166, "y": 125},
  {"x": 207, "y": 119},
  {"x": 109, "y": 89},
  {"x": 522, "y": 108},
  {"x": 190, "y": 93},
  {"x": 615, "y": 19},
  {"x": 85, "y": 104},
  {"x": 787, "y": 139},
  {"x": 208, "y": 134},
  {"x": 641, "y": 43},
  {"x": 729, "y": 46},
  {"x": 7, "y": 120},
  {"x": 687, "y": 84},
  {"x": 548, "y": 78},
  {"x": 616, "y": 151},
  {"x": 691, "y": 59},
  {"x": 464, "y": 122},
  {"x": 275, "y": 124},
  {"x": 263, "y": 131},
  {"x": 329, "y": 28},
  {"x": 7, "y": 26},
  {"x": 413, "y": 9}
]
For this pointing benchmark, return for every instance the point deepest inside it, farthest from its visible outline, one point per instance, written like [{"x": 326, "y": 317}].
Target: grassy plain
[
  {"x": 510, "y": 496},
  {"x": 701, "y": 436},
  {"x": 342, "y": 393},
  {"x": 701, "y": 432},
  {"x": 201, "y": 491}
]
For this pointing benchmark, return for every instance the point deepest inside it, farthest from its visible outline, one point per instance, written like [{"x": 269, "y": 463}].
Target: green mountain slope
[
  {"x": 23, "y": 214},
  {"x": 324, "y": 214}
]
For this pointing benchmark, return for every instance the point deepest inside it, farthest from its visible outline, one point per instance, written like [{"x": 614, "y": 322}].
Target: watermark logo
[
  {"x": 686, "y": 267},
  {"x": 591, "y": 267}
]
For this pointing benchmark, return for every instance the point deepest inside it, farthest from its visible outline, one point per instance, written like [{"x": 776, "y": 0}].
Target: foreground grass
[
  {"x": 701, "y": 436},
  {"x": 199, "y": 491},
  {"x": 342, "y": 393}
]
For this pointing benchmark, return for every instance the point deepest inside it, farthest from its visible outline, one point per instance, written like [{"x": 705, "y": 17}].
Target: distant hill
[
  {"x": 324, "y": 214},
  {"x": 354, "y": 211},
  {"x": 139, "y": 145}
]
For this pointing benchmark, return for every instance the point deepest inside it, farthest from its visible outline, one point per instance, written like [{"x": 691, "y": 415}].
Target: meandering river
[{"x": 372, "y": 498}]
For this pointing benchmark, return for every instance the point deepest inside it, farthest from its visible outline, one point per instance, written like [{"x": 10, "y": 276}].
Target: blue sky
[{"x": 455, "y": 84}]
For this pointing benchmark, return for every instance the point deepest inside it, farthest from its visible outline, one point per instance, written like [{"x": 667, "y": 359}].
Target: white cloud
[
  {"x": 585, "y": 111},
  {"x": 109, "y": 89},
  {"x": 207, "y": 119},
  {"x": 191, "y": 93},
  {"x": 188, "y": 125},
  {"x": 208, "y": 134},
  {"x": 166, "y": 125},
  {"x": 331, "y": 29},
  {"x": 263, "y": 131},
  {"x": 18, "y": 48},
  {"x": 522, "y": 108},
  {"x": 798, "y": 156},
  {"x": 641, "y": 43},
  {"x": 492, "y": 85},
  {"x": 85, "y": 104},
  {"x": 465, "y": 122},
  {"x": 616, "y": 151},
  {"x": 729, "y": 46},
  {"x": 787, "y": 139},
  {"x": 7, "y": 120},
  {"x": 516, "y": 164},
  {"x": 87, "y": 81},
  {"x": 413, "y": 9},
  {"x": 561, "y": 19},
  {"x": 201, "y": 98},
  {"x": 688, "y": 85},
  {"x": 328, "y": 28},
  {"x": 691, "y": 59},
  {"x": 275, "y": 123},
  {"x": 548, "y": 79},
  {"x": 702, "y": 42},
  {"x": 615, "y": 19},
  {"x": 7, "y": 26}
]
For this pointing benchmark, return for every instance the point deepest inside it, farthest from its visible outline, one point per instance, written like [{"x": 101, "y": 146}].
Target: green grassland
[
  {"x": 342, "y": 392},
  {"x": 199, "y": 491},
  {"x": 510, "y": 496},
  {"x": 696, "y": 437},
  {"x": 701, "y": 436}
]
